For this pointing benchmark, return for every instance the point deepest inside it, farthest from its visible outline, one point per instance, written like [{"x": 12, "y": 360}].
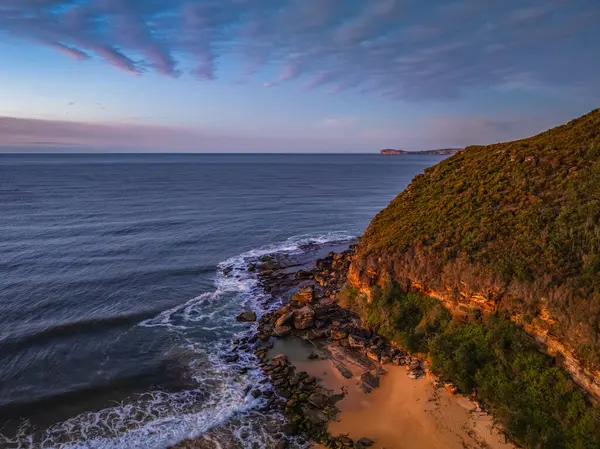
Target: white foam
[{"x": 157, "y": 419}]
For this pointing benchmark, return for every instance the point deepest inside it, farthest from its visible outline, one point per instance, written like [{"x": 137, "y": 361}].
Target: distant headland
[{"x": 440, "y": 152}]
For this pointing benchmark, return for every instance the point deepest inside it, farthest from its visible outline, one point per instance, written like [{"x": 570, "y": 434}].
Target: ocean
[{"x": 115, "y": 312}]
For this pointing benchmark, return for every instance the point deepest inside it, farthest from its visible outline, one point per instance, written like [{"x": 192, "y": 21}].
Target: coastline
[{"x": 337, "y": 384}]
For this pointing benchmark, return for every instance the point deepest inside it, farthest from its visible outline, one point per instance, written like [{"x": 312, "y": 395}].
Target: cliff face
[{"x": 510, "y": 228}]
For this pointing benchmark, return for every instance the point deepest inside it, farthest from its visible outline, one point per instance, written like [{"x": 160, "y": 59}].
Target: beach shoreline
[{"x": 389, "y": 397}]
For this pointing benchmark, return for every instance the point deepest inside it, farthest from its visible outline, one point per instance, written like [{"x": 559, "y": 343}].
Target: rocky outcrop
[
  {"x": 488, "y": 295},
  {"x": 246, "y": 317}
]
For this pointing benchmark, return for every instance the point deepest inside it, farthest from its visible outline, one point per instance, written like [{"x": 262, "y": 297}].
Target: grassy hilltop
[{"x": 507, "y": 233}]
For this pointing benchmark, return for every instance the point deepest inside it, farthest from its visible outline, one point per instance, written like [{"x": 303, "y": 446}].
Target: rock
[
  {"x": 370, "y": 379},
  {"x": 227, "y": 270},
  {"x": 303, "y": 275},
  {"x": 304, "y": 318},
  {"x": 284, "y": 319},
  {"x": 256, "y": 394},
  {"x": 290, "y": 429},
  {"x": 247, "y": 317},
  {"x": 316, "y": 417},
  {"x": 399, "y": 360},
  {"x": 280, "y": 360},
  {"x": 451, "y": 388},
  {"x": 380, "y": 371},
  {"x": 373, "y": 355},
  {"x": 282, "y": 444},
  {"x": 366, "y": 442},
  {"x": 317, "y": 334},
  {"x": 414, "y": 365},
  {"x": 339, "y": 334},
  {"x": 385, "y": 359},
  {"x": 282, "y": 331},
  {"x": 356, "y": 342},
  {"x": 252, "y": 267},
  {"x": 344, "y": 371},
  {"x": 318, "y": 400},
  {"x": 313, "y": 356},
  {"x": 232, "y": 358},
  {"x": 305, "y": 295}
]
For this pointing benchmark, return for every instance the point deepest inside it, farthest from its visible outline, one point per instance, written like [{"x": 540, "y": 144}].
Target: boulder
[
  {"x": 304, "y": 318},
  {"x": 284, "y": 319},
  {"x": 373, "y": 354},
  {"x": 247, "y": 317},
  {"x": 365, "y": 442},
  {"x": 315, "y": 416},
  {"x": 339, "y": 334},
  {"x": 356, "y": 341},
  {"x": 365, "y": 388},
  {"x": 318, "y": 400},
  {"x": 280, "y": 360},
  {"x": 256, "y": 393},
  {"x": 370, "y": 379},
  {"x": 451, "y": 388},
  {"x": 414, "y": 365},
  {"x": 303, "y": 275},
  {"x": 282, "y": 444},
  {"x": 305, "y": 295},
  {"x": 282, "y": 331}
]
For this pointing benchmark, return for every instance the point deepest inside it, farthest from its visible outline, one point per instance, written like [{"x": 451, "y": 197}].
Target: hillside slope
[{"x": 511, "y": 228}]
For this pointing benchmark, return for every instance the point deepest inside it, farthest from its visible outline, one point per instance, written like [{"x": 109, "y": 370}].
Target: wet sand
[{"x": 402, "y": 413}]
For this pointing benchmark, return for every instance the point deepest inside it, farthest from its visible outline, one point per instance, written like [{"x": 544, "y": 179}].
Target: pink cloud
[{"x": 25, "y": 132}]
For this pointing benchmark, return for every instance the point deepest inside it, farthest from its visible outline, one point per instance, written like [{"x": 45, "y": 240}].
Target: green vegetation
[
  {"x": 527, "y": 212},
  {"x": 530, "y": 395}
]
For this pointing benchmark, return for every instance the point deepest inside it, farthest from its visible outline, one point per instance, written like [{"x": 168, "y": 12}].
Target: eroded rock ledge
[{"x": 460, "y": 300}]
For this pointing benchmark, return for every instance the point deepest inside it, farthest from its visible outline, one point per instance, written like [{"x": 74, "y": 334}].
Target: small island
[{"x": 440, "y": 152}]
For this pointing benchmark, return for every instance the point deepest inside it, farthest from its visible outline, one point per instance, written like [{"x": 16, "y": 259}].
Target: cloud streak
[{"x": 398, "y": 49}]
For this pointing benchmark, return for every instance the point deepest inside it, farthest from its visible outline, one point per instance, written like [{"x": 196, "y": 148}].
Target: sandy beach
[{"x": 402, "y": 413}]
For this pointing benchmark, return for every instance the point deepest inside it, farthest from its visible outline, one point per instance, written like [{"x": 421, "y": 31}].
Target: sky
[{"x": 291, "y": 75}]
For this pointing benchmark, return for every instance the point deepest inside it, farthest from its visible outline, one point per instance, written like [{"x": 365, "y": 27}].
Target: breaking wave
[{"x": 205, "y": 327}]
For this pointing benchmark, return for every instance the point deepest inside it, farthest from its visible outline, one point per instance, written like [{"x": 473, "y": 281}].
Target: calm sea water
[{"x": 114, "y": 314}]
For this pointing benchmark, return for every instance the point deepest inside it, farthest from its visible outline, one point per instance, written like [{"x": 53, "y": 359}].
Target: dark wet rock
[
  {"x": 290, "y": 429},
  {"x": 303, "y": 275},
  {"x": 365, "y": 388},
  {"x": 227, "y": 270},
  {"x": 304, "y": 318},
  {"x": 252, "y": 267},
  {"x": 256, "y": 393},
  {"x": 313, "y": 356},
  {"x": 380, "y": 371},
  {"x": 232, "y": 358},
  {"x": 365, "y": 442},
  {"x": 282, "y": 444},
  {"x": 370, "y": 379},
  {"x": 315, "y": 416},
  {"x": 344, "y": 371},
  {"x": 318, "y": 400},
  {"x": 247, "y": 317}
]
